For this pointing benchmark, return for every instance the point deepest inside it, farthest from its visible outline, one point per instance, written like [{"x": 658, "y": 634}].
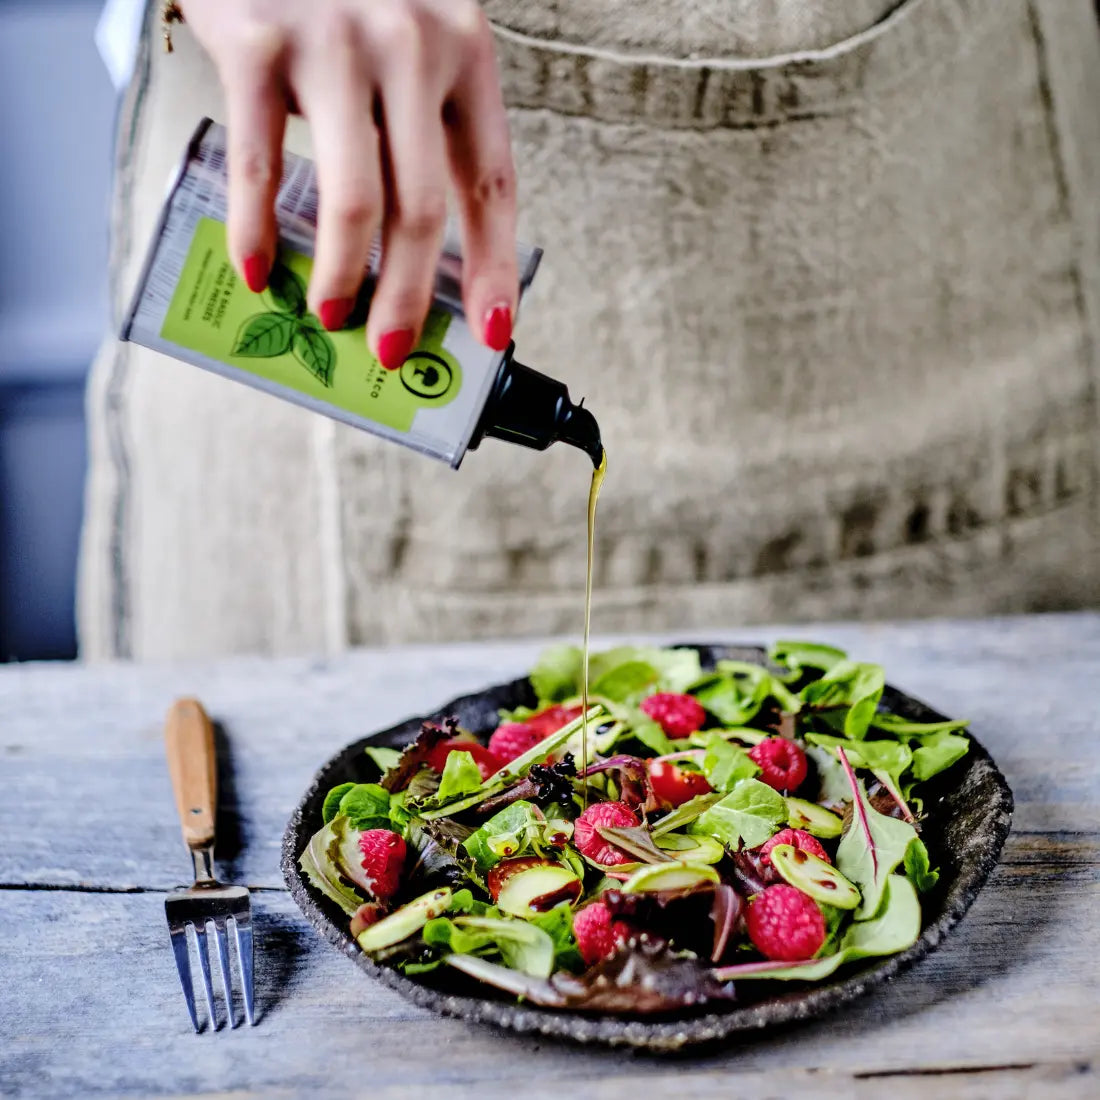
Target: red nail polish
[
  {"x": 498, "y": 327},
  {"x": 335, "y": 311},
  {"x": 256, "y": 270},
  {"x": 394, "y": 347}
]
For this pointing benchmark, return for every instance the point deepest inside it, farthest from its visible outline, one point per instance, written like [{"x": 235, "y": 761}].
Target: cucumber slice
[
  {"x": 535, "y": 891},
  {"x": 669, "y": 876},
  {"x": 691, "y": 849},
  {"x": 813, "y": 876},
  {"x": 812, "y": 818},
  {"x": 406, "y": 921}
]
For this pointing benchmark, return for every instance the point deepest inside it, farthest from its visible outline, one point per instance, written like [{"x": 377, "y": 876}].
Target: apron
[{"x": 829, "y": 280}]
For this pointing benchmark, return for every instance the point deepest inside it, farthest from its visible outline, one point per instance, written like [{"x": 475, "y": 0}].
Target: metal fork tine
[
  {"x": 204, "y": 966},
  {"x": 223, "y": 964},
  {"x": 181, "y": 950},
  {"x": 243, "y": 927}
]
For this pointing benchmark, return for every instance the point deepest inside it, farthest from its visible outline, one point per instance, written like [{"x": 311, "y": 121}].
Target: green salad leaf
[
  {"x": 800, "y": 656},
  {"x": 937, "y": 753},
  {"x": 725, "y": 764},
  {"x": 891, "y": 757},
  {"x": 748, "y": 815},
  {"x": 872, "y": 847},
  {"x": 522, "y": 945},
  {"x": 504, "y": 835},
  {"x": 621, "y": 675},
  {"x": 321, "y": 864},
  {"x": 917, "y": 867},
  {"x": 557, "y": 673},
  {"x": 902, "y": 727},
  {"x": 331, "y": 806},
  {"x": 849, "y": 684},
  {"x": 385, "y": 758},
  {"x": 366, "y": 806},
  {"x": 460, "y": 776}
]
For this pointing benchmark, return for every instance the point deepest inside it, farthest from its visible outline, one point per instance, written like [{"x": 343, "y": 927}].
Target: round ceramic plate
[{"x": 969, "y": 811}]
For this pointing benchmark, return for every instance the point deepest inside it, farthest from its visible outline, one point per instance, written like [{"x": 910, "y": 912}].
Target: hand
[{"x": 398, "y": 94}]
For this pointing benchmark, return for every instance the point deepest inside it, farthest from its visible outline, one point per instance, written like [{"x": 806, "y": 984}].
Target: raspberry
[
  {"x": 782, "y": 763},
  {"x": 383, "y": 859},
  {"x": 513, "y": 739},
  {"x": 673, "y": 785},
  {"x": 785, "y": 924},
  {"x": 615, "y": 815},
  {"x": 799, "y": 839},
  {"x": 677, "y": 715},
  {"x": 596, "y": 933},
  {"x": 487, "y": 763}
]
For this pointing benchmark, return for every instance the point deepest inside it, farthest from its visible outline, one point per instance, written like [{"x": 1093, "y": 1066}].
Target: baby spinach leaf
[
  {"x": 331, "y": 806},
  {"x": 938, "y": 753},
  {"x": 799, "y": 656},
  {"x": 366, "y": 806},
  {"x": 902, "y": 727},
  {"x": 872, "y": 847},
  {"x": 638, "y": 724},
  {"x": 521, "y": 944},
  {"x": 834, "y": 783},
  {"x": 917, "y": 866},
  {"x": 675, "y": 668},
  {"x": 627, "y": 683},
  {"x": 557, "y": 673},
  {"x": 725, "y": 764},
  {"x": 383, "y": 757},
  {"x": 558, "y": 925},
  {"x": 460, "y": 776},
  {"x": 684, "y": 813},
  {"x": 893, "y": 928},
  {"x": 853, "y": 685},
  {"x": 487, "y": 845},
  {"x": 748, "y": 815},
  {"x": 890, "y": 757}
]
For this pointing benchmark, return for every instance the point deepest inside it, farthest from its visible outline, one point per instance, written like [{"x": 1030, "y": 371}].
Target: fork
[{"x": 189, "y": 741}]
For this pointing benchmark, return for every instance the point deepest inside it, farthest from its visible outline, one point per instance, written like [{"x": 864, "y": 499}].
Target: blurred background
[{"x": 55, "y": 161}]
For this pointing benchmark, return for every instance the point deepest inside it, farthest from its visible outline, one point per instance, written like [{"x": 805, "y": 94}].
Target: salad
[{"x": 742, "y": 823}]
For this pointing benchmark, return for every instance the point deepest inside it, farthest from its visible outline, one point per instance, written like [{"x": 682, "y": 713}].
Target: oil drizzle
[{"x": 593, "y": 496}]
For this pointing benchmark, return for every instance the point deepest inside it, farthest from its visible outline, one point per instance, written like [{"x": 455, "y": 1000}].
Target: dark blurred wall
[{"x": 55, "y": 133}]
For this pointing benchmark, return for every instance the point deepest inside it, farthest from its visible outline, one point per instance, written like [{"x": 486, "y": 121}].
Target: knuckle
[
  {"x": 255, "y": 166},
  {"x": 396, "y": 32},
  {"x": 468, "y": 23},
  {"x": 260, "y": 43},
  {"x": 495, "y": 184},
  {"x": 355, "y": 211},
  {"x": 422, "y": 214},
  {"x": 337, "y": 29}
]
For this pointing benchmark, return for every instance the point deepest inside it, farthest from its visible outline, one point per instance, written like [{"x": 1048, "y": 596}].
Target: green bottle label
[{"x": 274, "y": 336}]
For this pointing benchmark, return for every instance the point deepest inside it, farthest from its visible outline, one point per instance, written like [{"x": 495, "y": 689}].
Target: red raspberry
[
  {"x": 383, "y": 859},
  {"x": 782, "y": 763},
  {"x": 615, "y": 815},
  {"x": 487, "y": 762},
  {"x": 797, "y": 838},
  {"x": 552, "y": 719},
  {"x": 513, "y": 739},
  {"x": 785, "y": 924},
  {"x": 596, "y": 933},
  {"x": 673, "y": 785},
  {"x": 678, "y": 715}
]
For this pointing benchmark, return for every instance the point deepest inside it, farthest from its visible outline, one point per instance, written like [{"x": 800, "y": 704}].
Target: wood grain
[
  {"x": 89, "y": 999},
  {"x": 192, "y": 767}
]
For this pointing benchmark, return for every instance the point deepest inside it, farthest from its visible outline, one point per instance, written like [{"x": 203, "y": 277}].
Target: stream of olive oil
[{"x": 593, "y": 496}]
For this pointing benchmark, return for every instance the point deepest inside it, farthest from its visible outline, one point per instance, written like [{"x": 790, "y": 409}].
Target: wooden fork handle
[{"x": 189, "y": 741}]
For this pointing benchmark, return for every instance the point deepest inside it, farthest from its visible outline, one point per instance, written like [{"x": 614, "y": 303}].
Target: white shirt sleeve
[{"x": 117, "y": 35}]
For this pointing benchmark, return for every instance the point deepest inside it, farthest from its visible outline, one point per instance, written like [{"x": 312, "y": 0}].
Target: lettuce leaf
[
  {"x": 938, "y": 753},
  {"x": 331, "y": 806},
  {"x": 748, "y": 815},
  {"x": 504, "y": 835},
  {"x": 460, "y": 776},
  {"x": 800, "y": 656},
  {"x": 320, "y": 862},
  {"x": 523, "y": 945},
  {"x": 725, "y": 764},
  {"x": 853, "y": 685},
  {"x": 366, "y": 806}
]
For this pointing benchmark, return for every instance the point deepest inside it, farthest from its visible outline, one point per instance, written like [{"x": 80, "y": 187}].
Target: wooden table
[{"x": 90, "y": 1003}]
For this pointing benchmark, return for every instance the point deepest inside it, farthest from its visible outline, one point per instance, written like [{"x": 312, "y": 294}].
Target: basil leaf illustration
[
  {"x": 315, "y": 352},
  {"x": 264, "y": 336},
  {"x": 286, "y": 292}
]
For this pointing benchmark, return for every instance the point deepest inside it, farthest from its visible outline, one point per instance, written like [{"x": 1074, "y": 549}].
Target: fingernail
[
  {"x": 498, "y": 327},
  {"x": 255, "y": 272},
  {"x": 335, "y": 311},
  {"x": 394, "y": 347}
]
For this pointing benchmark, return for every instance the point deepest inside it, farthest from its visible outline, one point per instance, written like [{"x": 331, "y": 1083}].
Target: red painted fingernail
[
  {"x": 256, "y": 270},
  {"x": 394, "y": 347},
  {"x": 335, "y": 311},
  {"x": 498, "y": 327}
]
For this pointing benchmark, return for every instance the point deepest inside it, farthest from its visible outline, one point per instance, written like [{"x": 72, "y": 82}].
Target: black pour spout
[{"x": 534, "y": 410}]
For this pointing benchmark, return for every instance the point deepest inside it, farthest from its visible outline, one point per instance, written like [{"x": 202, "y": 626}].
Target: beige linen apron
[{"x": 827, "y": 274}]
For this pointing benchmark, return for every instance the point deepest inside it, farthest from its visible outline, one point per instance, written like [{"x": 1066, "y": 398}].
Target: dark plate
[{"x": 969, "y": 812}]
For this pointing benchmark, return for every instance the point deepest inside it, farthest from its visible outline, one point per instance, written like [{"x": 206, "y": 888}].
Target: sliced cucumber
[
  {"x": 406, "y": 921},
  {"x": 812, "y": 818},
  {"x": 813, "y": 876},
  {"x": 538, "y": 889},
  {"x": 669, "y": 876},
  {"x": 691, "y": 849}
]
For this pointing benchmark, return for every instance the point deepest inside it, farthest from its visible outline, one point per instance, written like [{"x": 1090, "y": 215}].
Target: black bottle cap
[{"x": 534, "y": 410}]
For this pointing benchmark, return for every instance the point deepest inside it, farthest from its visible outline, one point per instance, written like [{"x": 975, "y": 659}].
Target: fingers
[
  {"x": 337, "y": 97},
  {"x": 416, "y": 209},
  {"x": 256, "y": 112},
  {"x": 485, "y": 185}
]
